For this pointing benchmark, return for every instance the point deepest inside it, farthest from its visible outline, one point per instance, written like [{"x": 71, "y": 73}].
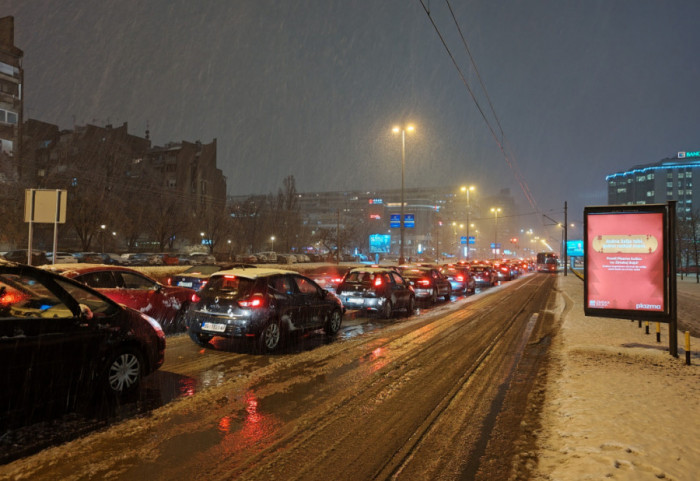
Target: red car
[{"x": 166, "y": 304}]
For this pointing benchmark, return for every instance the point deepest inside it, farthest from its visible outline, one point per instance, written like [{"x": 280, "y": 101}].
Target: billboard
[
  {"x": 574, "y": 248},
  {"x": 379, "y": 243},
  {"x": 626, "y": 262}
]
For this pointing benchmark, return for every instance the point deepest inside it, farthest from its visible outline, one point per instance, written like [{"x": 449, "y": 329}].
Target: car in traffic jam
[
  {"x": 428, "y": 283},
  {"x": 166, "y": 304},
  {"x": 267, "y": 305},
  {"x": 376, "y": 289},
  {"x": 63, "y": 343},
  {"x": 460, "y": 278}
]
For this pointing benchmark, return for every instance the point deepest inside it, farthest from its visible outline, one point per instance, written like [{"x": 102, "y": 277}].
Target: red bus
[{"x": 547, "y": 262}]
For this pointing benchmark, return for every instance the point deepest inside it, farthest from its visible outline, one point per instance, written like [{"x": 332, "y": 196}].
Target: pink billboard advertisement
[{"x": 625, "y": 262}]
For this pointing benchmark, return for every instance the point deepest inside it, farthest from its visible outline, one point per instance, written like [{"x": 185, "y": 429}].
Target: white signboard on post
[{"x": 45, "y": 206}]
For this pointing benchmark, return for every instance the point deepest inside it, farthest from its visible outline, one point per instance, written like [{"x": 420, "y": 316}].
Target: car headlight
[{"x": 154, "y": 324}]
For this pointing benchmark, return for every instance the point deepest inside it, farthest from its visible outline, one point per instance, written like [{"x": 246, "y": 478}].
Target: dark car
[
  {"x": 166, "y": 304},
  {"x": 266, "y": 304},
  {"x": 196, "y": 276},
  {"x": 460, "y": 278},
  {"x": 484, "y": 275},
  {"x": 428, "y": 283},
  {"x": 328, "y": 276},
  {"x": 89, "y": 257},
  {"x": 60, "y": 340},
  {"x": 20, "y": 255},
  {"x": 376, "y": 289}
]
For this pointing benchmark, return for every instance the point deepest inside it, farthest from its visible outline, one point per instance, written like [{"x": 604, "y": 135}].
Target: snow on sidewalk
[{"x": 617, "y": 405}]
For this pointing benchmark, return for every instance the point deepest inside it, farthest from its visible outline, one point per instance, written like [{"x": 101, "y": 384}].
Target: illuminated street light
[
  {"x": 402, "y": 130},
  {"x": 272, "y": 243},
  {"x": 467, "y": 190},
  {"x": 495, "y": 211}
]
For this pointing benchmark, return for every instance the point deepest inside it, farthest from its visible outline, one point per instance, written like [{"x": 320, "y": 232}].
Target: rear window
[
  {"x": 362, "y": 277},
  {"x": 235, "y": 286}
]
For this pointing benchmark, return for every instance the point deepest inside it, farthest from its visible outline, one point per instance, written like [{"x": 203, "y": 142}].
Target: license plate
[
  {"x": 184, "y": 284},
  {"x": 353, "y": 300},
  {"x": 210, "y": 326}
]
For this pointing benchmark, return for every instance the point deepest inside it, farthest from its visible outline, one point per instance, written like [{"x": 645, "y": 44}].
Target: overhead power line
[{"x": 500, "y": 140}]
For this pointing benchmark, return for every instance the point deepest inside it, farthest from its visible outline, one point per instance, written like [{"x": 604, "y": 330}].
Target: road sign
[
  {"x": 395, "y": 221},
  {"x": 463, "y": 239}
]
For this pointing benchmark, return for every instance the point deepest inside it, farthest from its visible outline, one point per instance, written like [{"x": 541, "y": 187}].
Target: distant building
[
  {"x": 668, "y": 179},
  {"x": 11, "y": 103}
]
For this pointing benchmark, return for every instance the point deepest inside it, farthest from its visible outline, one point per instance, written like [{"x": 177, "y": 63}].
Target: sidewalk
[{"x": 617, "y": 405}]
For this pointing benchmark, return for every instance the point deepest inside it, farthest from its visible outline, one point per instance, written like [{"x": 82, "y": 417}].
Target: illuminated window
[
  {"x": 669, "y": 184},
  {"x": 650, "y": 193},
  {"x": 669, "y": 194},
  {"x": 621, "y": 190},
  {"x": 681, "y": 175},
  {"x": 650, "y": 176}
]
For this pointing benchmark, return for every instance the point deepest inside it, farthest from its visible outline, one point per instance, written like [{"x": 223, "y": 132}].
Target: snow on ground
[{"x": 617, "y": 405}]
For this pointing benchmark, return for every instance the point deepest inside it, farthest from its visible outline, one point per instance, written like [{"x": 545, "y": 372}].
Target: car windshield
[{"x": 234, "y": 286}]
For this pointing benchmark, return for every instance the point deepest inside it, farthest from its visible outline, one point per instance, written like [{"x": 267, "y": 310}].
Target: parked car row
[{"x": 129, "y": 259}]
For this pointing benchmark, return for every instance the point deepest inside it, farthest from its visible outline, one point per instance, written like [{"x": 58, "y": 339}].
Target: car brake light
[
  {"x": 229, "y": 277},
  {"x": 204, "y": 283},
  {"x": 195, "y": 298},
  {"x": 460, "y": 278},
  {"x": 378, "y": 282},
  {"x": 252, "y": 302},
  {"x": 423, "y": 282},
  {"x": 169, "y": 281}
]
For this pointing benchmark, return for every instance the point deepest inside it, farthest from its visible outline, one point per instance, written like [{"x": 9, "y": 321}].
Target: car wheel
[
  {"x": 200, "y": 339},
  {"x": 449, "y": 294},
  {"x": 124, "y": 371},
  {"x": 179, "y": 321},
  {"x": 333, "y": 323},
  {"x": 387, "y": 309},
  {"x": 411, "y": 306},
  {"x": 270, "y": 336},
  {"x": 434, "y": 296}
]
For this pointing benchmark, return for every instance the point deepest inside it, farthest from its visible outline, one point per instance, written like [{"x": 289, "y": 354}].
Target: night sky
[{"x": 312, "y": 88}]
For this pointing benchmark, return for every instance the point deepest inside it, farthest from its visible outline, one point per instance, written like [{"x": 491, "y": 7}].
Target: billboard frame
[{"x": 669, "y": 313}]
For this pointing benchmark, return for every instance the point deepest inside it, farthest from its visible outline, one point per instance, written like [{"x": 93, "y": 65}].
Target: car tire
[
  {"x": 434, "y": 296},
  {"x": 333, "y": 323},
  {"x": 125, "y": 368},
  {"x": 411, "y": 306},
  {"x": 180, "y": 319},
  {"x": 387, "y": 309},
  {"x": 448, "y": 296},
  {"x": 200, "y": 339},
  {"x": 271, "y": 336}
]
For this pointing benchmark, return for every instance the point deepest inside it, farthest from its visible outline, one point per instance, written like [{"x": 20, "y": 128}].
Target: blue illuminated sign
[
  {"x": 472, "y": 239},
  {"x": 409, "y": 221},
  {"x": 574, "y": 248},
  {"x": 395, "y": 221},
  {"x": 463, "y": 239},
  {"x": 379, "y": 243}
]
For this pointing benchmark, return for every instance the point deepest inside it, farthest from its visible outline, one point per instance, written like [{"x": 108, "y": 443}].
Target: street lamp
[
  {"x": 467, "y": 190},
  {"x": 402, "y": 130},
  {"x": 272, "y": 243},
  {"x": 102, "y": 233},
  {"x": 495, "y": 211}
]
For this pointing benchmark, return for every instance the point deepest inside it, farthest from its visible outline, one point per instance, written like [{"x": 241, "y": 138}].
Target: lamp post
[
  {"x": 467, "y": 190},
  {"x": 272, "y": 243},
  {"x": 102, "y": 234},
  {"x": 402, "y": 131},
  {"x": 495, "y": 211}
]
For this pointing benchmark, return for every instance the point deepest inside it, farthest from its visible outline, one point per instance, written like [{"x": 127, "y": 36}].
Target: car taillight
[
  {"x": 504, "y": 269},
  {"x": 423, "y": 282},
  {"x": 204, "y": 283},
  {"x": 195, "y": 298},
  {"x": 336, "y": 280},
  {"x": 251, "y": 302},
  {"x": 378, "y": 282},
  {"x": 169, "y": 281},
  {"x": 460, "y": 278},
  {"x": 11, "y": 298}
]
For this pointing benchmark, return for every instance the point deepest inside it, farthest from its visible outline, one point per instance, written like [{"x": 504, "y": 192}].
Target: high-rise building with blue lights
[{"x": 668, "y": 179}]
